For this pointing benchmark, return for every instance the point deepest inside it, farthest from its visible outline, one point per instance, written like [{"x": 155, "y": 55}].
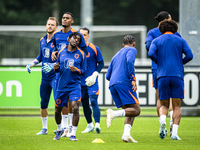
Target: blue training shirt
[
  {"x": 121, "y": 69},
  {"x": 45, "y": 56},
  {"x": 151, "y": 35},
  {"x": 93, "y": 57},
  {"x": 69, "y": 79},
  {"x": 167, "y": 51}
]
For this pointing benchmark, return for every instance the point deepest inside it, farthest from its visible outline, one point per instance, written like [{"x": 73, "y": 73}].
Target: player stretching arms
[
  {"x": 151, "y": 35},
  {"x": 71, "y": 63},
  {"x": 166, "y": 51},
  {"x": 89, "y": 84},
  {"x": 48, "y": 79},
  {"x": 60, "y": 40},
  {"x": 121, "y": 74}
]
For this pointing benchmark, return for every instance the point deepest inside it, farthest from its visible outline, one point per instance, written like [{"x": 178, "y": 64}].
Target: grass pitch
[{"x": 19, "y": 133}]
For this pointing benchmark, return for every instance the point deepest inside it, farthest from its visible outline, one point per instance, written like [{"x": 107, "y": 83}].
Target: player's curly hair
[
  {"x": 128, "y": 39},
  {"x": 168, "y": 25},
  {"x": 74, "y": 34}
]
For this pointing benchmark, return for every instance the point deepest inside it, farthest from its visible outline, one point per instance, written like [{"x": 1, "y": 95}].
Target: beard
[{"x": 64, "y": 25}]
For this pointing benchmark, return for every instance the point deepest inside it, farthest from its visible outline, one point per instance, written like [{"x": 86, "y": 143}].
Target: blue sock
[{"x": 95, "y": 108}]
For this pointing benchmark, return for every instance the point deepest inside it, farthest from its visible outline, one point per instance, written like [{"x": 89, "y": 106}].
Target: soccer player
[
  {"x": 71, "y": 64},
  {"x": 121, "y": 74},
  {"x": 60, "y": 40},
  {"x": 151, "y": 35},
  {"x": 89, "y": 84},
  {"x": 166, "y": 51},
  {"x": 48, "y": 79}
]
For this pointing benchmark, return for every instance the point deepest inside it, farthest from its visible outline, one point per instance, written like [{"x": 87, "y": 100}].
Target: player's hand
[
  {"x": 91, "y": 79},
  {"x": 56, "y": 66},
  {"x": 53, "y": 55},
  {"x": 72, "y": 68},
  {"x": 28, "y": 67},
  {"x": 134, "y": 86},
  {"x": 47, "y": 67}
]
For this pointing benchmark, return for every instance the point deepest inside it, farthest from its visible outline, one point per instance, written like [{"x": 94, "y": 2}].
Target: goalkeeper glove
[
  {"x": 48, "y": 67},
  {"x": 91, "y": 79},
  {"x": 29, "y": 66}
]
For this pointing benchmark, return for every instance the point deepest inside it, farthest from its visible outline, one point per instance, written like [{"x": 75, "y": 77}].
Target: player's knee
[
  {"x": 44, "y": 105},
  {"x": 93, "y": 100}
]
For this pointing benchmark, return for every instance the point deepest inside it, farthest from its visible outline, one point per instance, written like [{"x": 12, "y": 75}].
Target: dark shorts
[
  {"x": 170, "y": 87},
  {"x": 123, "y": 95}
]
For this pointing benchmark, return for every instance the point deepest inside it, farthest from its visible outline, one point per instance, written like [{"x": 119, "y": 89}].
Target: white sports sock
[
  {"x": 127, "y": 129},
  {"x": 59, "y": 127},
  {"x": 70, "y": 118},
  {"x": 64, "y": 121},
  {"x": 44, "y": 122},
  {"x": 91, "y": 124},
  {"x": 163, "y": 118},
  {"x": 74, "y": 128},
  {"x": 175, "y": 129},
  {"x": 119, "y": 113},
  {"x": 159, "y": 119},
  {"x": 171, "y": 114}
]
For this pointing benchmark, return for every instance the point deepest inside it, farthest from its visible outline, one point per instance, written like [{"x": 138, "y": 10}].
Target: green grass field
[{"x": 19, "y": 132}]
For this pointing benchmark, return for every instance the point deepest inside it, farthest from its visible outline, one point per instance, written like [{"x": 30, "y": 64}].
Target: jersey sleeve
[
  {"x": 109, "y": 71},
  {"x": 188, "y": 52},
  {"x": 153, "y": 51},
  {"x": 130, "y": 60}
]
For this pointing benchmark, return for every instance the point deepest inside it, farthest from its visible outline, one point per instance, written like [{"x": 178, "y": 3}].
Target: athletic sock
[
  {"x": 163, "y": 118},
  {"x": 127, "y": 129},
  {"x": 119, "y": 113},
  {"x": 74, "y": 128},
  {"x": 59, "y": 127},
  {"x": 91, "y": 124},
  {"x": 175, "y": 129},
  {"x": 171, "y": 114},
  {"x": 44, "y": 122},
  {"x": 65, "y": 121},
  {"x": 70, "y": 118}
]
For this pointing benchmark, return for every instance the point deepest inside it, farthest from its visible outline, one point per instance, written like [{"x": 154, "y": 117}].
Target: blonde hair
[{"x": 53, "y": 18}]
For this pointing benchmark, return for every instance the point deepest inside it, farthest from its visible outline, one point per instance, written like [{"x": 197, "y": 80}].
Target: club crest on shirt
[
  {"x": 68, "y": 62},
  {"x": 76, "y": 56},
  {"x": 46, "y": 52}
]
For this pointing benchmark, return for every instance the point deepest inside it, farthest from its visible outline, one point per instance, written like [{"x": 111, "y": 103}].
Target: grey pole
[
  {"x": 87, "y": 16},
  {"x": 189, "y": 23}
]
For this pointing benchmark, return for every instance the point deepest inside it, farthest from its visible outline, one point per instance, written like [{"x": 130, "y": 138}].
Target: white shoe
[
  {"x": 65, "y": 133},
  {"x": 162, "y": 130},
  {"x": 129, "y": 139},
  {"x": 109, "y": 117},
  {"x": 97, "y": 128},
  {"x": 88, "y": 129},
  {"x": 175, "y": 137}
]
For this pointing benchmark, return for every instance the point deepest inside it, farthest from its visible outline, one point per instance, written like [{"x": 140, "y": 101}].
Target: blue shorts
[
  {"x": 170, "y": 87},
  {"x": 73, "y": 94},
  {"x": 123, "y": 95},
  {"x": 46, "y": 87},
  {"x": 154, "y": 76}
]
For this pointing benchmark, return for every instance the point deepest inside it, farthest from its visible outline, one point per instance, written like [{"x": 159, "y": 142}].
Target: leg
[
  {"x": 163, "y": 114},
  {"x": 131, "y": 110},
  {"x": 87, "y": 110},
  {"x": 58, "y": 118},
  {"x": 45, "y": 92},
  {"x": 171, "y": 115},
  {"x": 75, "y": 110},
  {"x": 96, "y": 112},
  {"x": 176, "y": 102}
]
